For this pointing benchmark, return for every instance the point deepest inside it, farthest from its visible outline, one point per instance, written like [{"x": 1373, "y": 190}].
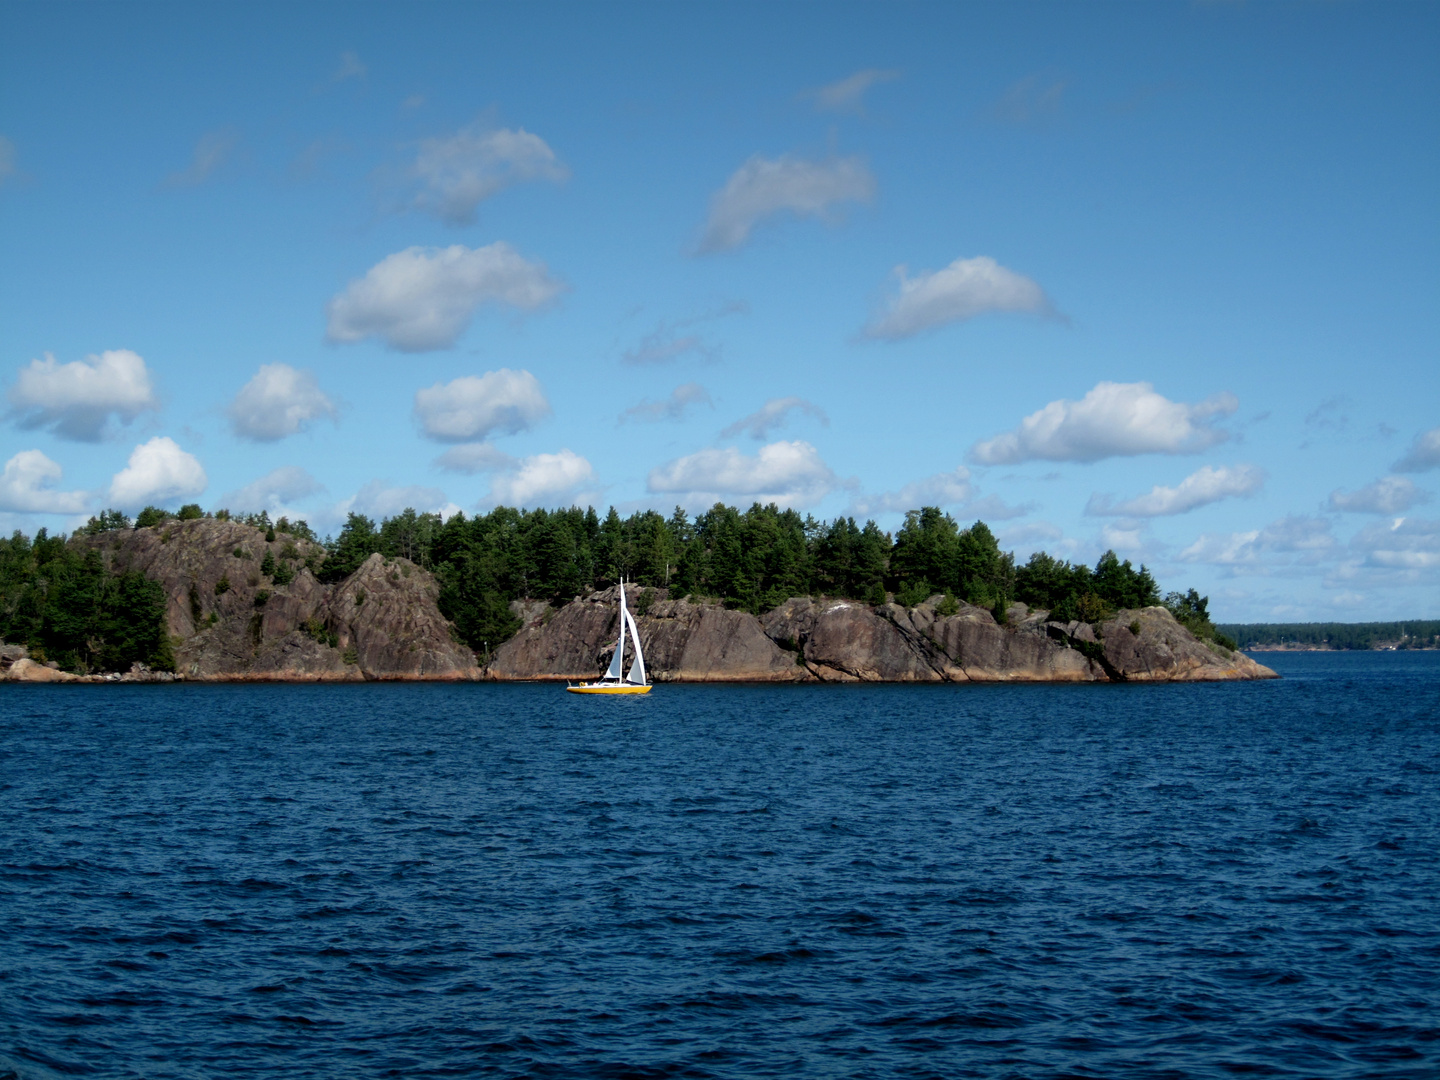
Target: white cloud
[
  {"x": 212, "y": 150},
  {"x": 848, "y": 94},
  {"x": 994, "y": 508},
  {"x": 422, "y": 299},
  {"x": 1423, "y": 455},
  {"x": 763, "y": 187},
  {"x": 7, "y": 159},
  {"x": 1124, "y": 536},
  {"x": 772, "y": 415},
  {"x": 788, "y": 473},
  {"x": 1306, "y": 538},
  {"x": 474, "y": 407},
  {"x": 28, "y": 487},
  {"x": 542, "y": 479},
  {"x": 1200, "y": 488},
  {"x": 350, "y": 67},
  {"x": 1405, "y": 544},
  {"x": 672, "y": 408},
  {"x": 472, "y": 458},
  {"x": 1031, "y": 533},
  {"x": 1388, "y": 495},
  {"x": 942, "y": 489},
  {"x": 274, "y": 492},
  {"x": 964, "y": 289},
  {"x": 279, "y": 401},
  {"x": 158, "y": 472},
  {"x": 75, "y": 400},
  {"x": 461, "y": 171},
  {"x": 1112, "y": 420},
  {"x": 379, "y": 500}
]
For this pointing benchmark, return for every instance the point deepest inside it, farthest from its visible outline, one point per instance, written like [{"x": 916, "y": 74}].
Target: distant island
[
  {"x": 763, "y": 594},
  {"x": 1412, "y": 634}
]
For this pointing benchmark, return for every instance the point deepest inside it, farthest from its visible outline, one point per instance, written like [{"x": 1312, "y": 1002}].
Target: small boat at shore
[{"x": 634, "y": 681}]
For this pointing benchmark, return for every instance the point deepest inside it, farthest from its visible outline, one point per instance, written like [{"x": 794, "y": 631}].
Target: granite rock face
[
  {"x": 807, "y": 639},
  {"x": 1164, "y": 651},
  {"x": 683, "y": 641},
  {"x": 229, "y": 622}
]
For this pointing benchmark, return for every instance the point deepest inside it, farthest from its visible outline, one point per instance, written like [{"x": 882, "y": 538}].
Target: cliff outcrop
[
  {"x": 806, "y": 639},
  {"x": 230, "y": 621}
]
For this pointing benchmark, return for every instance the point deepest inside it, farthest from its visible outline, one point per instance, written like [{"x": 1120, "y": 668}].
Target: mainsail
[
  {"x": 637, "y": 669},
  {"x": 616, "y": 661}
]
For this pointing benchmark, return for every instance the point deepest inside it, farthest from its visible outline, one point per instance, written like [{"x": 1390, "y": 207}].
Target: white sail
[
  {"x": 616, "y": 661},
  {"x": 637, "y": 669}
]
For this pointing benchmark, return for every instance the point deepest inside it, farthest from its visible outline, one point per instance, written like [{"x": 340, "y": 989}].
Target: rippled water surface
[{"x": 846, "y": 881}]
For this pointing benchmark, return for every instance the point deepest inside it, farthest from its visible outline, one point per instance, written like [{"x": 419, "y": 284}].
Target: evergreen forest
[
  {"x": 1415, "y": 634},
  {"x": 750, "y": 560}
]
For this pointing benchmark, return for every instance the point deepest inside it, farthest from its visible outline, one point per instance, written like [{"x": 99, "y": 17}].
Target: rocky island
[{"x": 245, "y": 603}]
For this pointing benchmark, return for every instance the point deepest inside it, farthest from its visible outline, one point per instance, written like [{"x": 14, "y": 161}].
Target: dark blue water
[{"x": 1003, "y": 881}]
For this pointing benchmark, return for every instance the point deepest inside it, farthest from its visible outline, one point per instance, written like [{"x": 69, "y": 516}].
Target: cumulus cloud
[
  {"x": 848, "y": 94},
  {"x": 28, "y": 487},
  {"x": 764, "y": 187},
  {"x": 279, "y": 401},
  {"x": 1031, "y": 533},
  {"x": 75, "y": 400},
  {"x": 1423, "y": 455},
  {"x": 379, "y": 499},
  {"x": 942, "y": 489},
  {"x": 1388, "y": 495},
  {"x": 1307, "y": 538},
  {"x": 772, "y": 415},
  {"x": 964, "y": 289},
  {"x": 543, "y": 479},
  {"x": 274, "y": 492},
  {"x": 158, "y": 472},
  {"x": 787, "y": 473},
  {"x": 422, "y": 299},
  {"x": 1404, "y": 544},
  {"x": 212, "y": 150},
  {"x": 7, "y": 159},
  {"x": 1112, "y": 420},
  {"x": 671, "y": 408},
  {"x": 460, "y": 171},
  {"x": 473, "y": 407},
  {"x": 1200, "y": 488},
  {"x": 471, "y": 458}
]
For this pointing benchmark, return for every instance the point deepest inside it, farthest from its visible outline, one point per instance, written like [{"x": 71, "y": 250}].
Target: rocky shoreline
[
  {"x": 818, "y": 640},
  {"x": 228, "y": 622}
]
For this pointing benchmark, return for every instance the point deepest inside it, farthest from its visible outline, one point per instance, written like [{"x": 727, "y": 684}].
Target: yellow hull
[{"x": 591, "y": 688}]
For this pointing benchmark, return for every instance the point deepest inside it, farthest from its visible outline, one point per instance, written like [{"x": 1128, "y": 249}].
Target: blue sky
[{"x": 1161, "y": 278}]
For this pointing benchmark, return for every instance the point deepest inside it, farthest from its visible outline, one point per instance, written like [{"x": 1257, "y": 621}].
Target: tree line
[
  {"x": 1415, "y": 634},
  {"x": 750, "y": 560}
]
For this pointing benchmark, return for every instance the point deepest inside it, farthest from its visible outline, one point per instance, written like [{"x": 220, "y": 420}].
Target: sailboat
[{"x": 634, "y": 681}]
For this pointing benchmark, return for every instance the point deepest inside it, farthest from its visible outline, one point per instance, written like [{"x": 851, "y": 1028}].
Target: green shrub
[
  {"x": 1135, "y": 627},
  {"x": 152, "y": 515},
  {"x": 948, "y": 607},
  {"x": 911, "y": 593},
  {"x": 350, "y": 656},
  {"x": 284, "y": 574},
  {"x": 190, "y": 512},
  {"x": 267, "y": 565},
  {"x": 222, "y": 586},
  {"x": 262, "y": 597}
]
